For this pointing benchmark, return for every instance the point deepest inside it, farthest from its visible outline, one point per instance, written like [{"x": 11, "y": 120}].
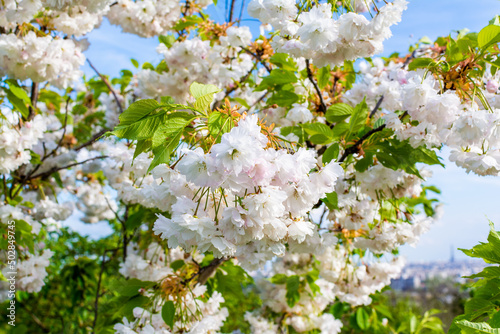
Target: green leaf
[
  {"x": 142, "y": 146},
  {"x": 495, "y": 320},
  {"x": 187, "y": 21},
  {"x": 476, "y": 327},
  {"x": 426, "y": 156},
  {"x": 362, "y": 319},
  {"x": 284, "y": 61},
  {"x": 168, "y": 313},
  {"x": 283, "y": 98},
  {"x": 129, "y": 305},
  {"x": 324, "y": 76},
  {"x": 363, "y": 164},
  {"x": 167, "y": 100},
  {"x": 292, "y": 290},
  {"x": 488, "y": 36},
  {"x": 168, "y": 40},
  {"x": 331, "y": 201},
  {"x": 176, "y": 265},
  {"x": 134, "y": 62},
  {"x": 148, "y": 66},
  {"x": 218, "y": 124},
  {"x": 35, "y": 158},
  {"x": 278, "y": 279},
  {"x": 338, "y": 112},
  {"x": 131, "y": 287},
  {"x": 139, "y": 121},
  {"x": 420, "y": 63},
  {"x": 318, "y": 128},
  {"x": 319, "y": 139},
  {"x": 204, "y": 95},
  {"x": 277, "y": 77},
  {"x": 332, "y": 152},
  {"x": 488, "y": 272},
  {"x": 490, "y": 251},
  {"x": 18, "y": 91},
  {"x": 379, "y": 122},
  {"x": 358, "y": 118},
  {"x": 134, "y": 220},
  {"x": 162, "y": 152},
  {"x": 16, "y": 98}
]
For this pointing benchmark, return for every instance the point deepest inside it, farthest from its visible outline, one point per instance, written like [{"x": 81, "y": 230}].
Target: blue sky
[{"x": 469, "y": 200}]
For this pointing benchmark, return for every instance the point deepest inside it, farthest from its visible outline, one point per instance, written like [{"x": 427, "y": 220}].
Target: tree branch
[
  {"x": 231, "y": 9},
  {"x": 55, "y": 169},
  {"x": 93, "y": 139},
  {"x": 106, "y": 82},
  {"x": 205, "y": 272},
  {"x": 34, "y": 98},
  {"x": 374, "y": 111},
  {"x": 259, "y": 58},
  {"x": 355, "y": 148},
  {"x": 318, "y": 91}
]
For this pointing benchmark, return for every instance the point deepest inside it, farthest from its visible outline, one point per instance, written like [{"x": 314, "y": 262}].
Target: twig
[
  {"x": 410, "y": 57},
  {"x": 259, "y": 58},
  {"x": 355, "y": 148},
  {"x": 231, "y": 8},
  {"x": 63, "y": 134},
  {"x": 232, "y": 89},
  {"x": 93, "y": 139},
  {"x": 34, "y": 98},
  {"x": 55, "y": 169},
  {"x": 318, "y": 91},
  {"x": 204, "y": 273},
  {"x": 374, "y": 111},
  {"x": 106, "y": 82}
]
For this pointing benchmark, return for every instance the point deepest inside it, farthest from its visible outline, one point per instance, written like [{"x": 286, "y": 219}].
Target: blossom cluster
[
  {"x": 245, "y": 199},
  {"x": 468, "y": 128},
  {"x": 197, "y": 60},
  {"x": 316, "y": 35},
  {"x": 40, "y": 59},
  {"x": 15, "y": 144},
  {"x": 205, "y": 315}
]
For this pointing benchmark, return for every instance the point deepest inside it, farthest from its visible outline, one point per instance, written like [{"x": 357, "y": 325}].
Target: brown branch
[
  {"x": 59, "y": 144},
  {"x": 34, "y": 98},
  {"x": 93, "y": 139},
  {"x": 205, "y": 272},
  {"x": 106, "y": 82},
  {"x": 231, "y": 9},
  {"x": 235, "y": 87},
  {"x": 55, "y": 169},
  {"x": 318, "y": 91},
  {"x": 259, "y": 58},
  {"x": 374, "y": 111},
  {"x": 409, "y": 58},
  {"x": 355, "y": 148}
]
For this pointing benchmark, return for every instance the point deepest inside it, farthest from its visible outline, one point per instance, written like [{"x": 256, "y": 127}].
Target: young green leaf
[
  {"x": 168, "y": 313},
  {"x": 338, "y": 112},
  {"x": 292, "y": 290},
  {"x": 204, "y": 95}
]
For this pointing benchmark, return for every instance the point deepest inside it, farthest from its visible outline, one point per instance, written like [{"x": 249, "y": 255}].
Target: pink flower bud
[{"x": 492, "y": 86}]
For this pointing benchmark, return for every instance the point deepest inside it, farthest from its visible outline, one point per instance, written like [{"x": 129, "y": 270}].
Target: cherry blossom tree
[{"x": 259, "y": 184}]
